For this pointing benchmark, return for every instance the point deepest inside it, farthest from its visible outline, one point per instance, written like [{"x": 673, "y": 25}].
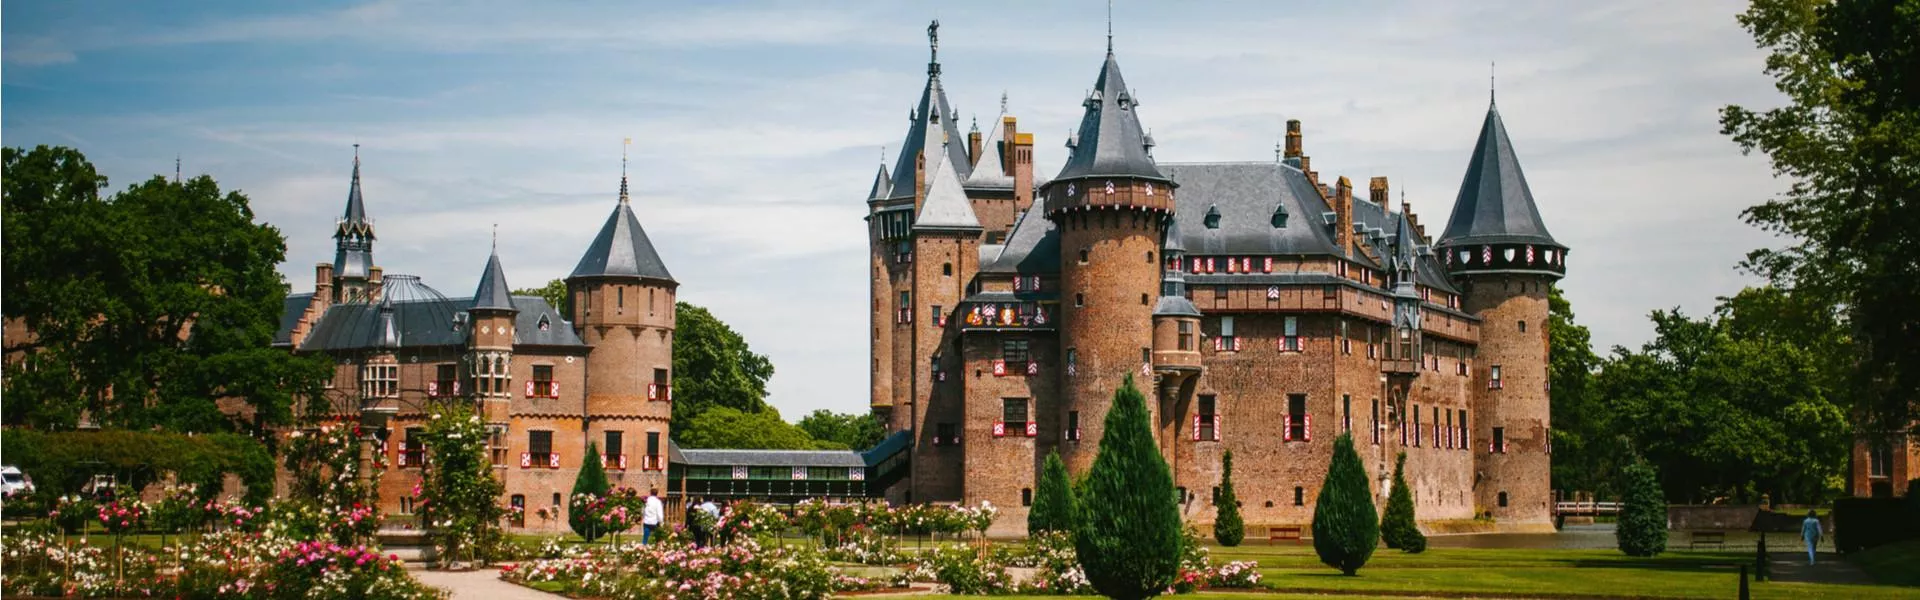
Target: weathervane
[{"x": 933, "y": 44}]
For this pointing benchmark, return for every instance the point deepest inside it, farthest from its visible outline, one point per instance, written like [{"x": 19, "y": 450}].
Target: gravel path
[{"x": 478, "y": 584}]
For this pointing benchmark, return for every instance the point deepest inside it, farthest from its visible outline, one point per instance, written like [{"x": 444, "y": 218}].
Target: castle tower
[
  {"x": 1111, "y": 204},
  {"x": 353, "y": 272},
  {"x": 1176, "y": 334},
  {"x": 490, "y": 322},
  {"x": 1499, "y": 252},
  {"x": 881, "y": 345},
  {"x": 621, "y": 301},
  {"x": 946, "y": 250}
]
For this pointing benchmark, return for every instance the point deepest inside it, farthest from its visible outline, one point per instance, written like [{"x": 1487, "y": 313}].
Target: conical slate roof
[
  {"x": 622, "y": 248},
  {"x": 356, "y": 208},
  {"x": 1495, "y": 206},
  {"x": 947, "y": 206},
  {"x": 990, "y": 171},
  {"x": 353, "y": 236},
  {"x": 1110, "y": 142},
  {"x": 1173, "y": 244},
  {"x": 493, "y": 292},
  {"x": 881, "y": 185},
  {"x": 933, "y": 123}
]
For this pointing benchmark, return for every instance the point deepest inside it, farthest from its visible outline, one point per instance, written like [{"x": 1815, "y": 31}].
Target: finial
[
  {"x": 1003, "y": 102},
  {"x": 933, "y": 44},
  {"x": 496, "y": 238},
  {"x": 883, "y": 154},
  {"x": 1109, "y": 26},
  {"x": 623, "y": 169},
  {"x": 1490, "y": 82},
  {"x": 976, "y": 122},
  {"x": 1279, "y": 150},
  {"x": 356, "y": 153}
]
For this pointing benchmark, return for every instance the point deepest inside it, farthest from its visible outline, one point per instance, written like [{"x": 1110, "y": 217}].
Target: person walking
[
  {"x": 693, "y": 522},
  {"x": 1810, "y": 532},
  {"x": 651, "y": 516}
]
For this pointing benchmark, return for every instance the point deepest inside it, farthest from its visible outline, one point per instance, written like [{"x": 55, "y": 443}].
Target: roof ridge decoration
[
  {"x": 493, "y": 293},
  {"x": 932, "y": 116},
  {"x": 1495, "y": 205},
  {"x": 622, "y": 248},
  {"x": 947, "y": 206},
  {"x": 1110, "y": 141}
]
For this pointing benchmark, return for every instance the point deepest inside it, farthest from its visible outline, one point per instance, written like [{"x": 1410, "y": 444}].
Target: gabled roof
[
  {"x": 1033, "y": 246},
  {"x": 1495, "y": 205},
  {"x": 882, "y": 185},
  {"x": 1110, "y": 142},
  {"x": 1246, "y": 196},
  {"x": 429, "y": 322},
  {"x": 493, "y": 292},
  {"x": 291, "y": 310},
  {"x": 990, "y": 171},
  {"x": 932, "y": 124},
  {"x": 621, "y": 249},
  {"x": 946, "y": 206}
]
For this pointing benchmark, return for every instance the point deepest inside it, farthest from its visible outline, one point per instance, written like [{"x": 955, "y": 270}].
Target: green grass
[{"x": 1893, "y": 564}]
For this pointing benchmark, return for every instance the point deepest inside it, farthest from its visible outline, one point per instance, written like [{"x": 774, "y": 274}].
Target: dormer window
[
  {"x": 1212, "y": 220},
  {"x": 544, "y": 323},
  {"x": 1280, "y": 217}
]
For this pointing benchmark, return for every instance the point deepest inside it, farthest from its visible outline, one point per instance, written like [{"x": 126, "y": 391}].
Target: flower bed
[
  {"x": 228, "y": 565},
  {"x": 743, "y": 570}
]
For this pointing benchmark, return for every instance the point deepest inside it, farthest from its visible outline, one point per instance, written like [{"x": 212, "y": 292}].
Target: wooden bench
[
  {"x": 1287, "y": 532},
  {"x": 1717, "y": 539}
]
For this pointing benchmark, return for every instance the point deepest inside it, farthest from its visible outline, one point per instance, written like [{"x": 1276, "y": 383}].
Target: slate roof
[
  {"x": 353, "y": 236},
  {"x": 356, "y": 207},
  {"x": 1032, "y": 247},
  {"x": 946, "y": 206},
  {"x": 621, "y": 249},
  {"x": 493, "y": 292},
  {"x": 989, "y": 172},
  {"x": 932, "y": 123},
  {"x": 882, "y": 185},
  {"x": 1246, "y": 196},
  {"x": 1110, "y": 142},
  {"x": 290, "y": 311},
  {"x": 1495, "y": 205},
  {"x": 888, "y": 446},
  {"x": 426, "y": 323}
]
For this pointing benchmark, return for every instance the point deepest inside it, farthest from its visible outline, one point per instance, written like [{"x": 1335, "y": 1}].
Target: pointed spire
[
  {"x": 1110, "y": 141},
  {"x": 1495, "y": 205},
  {"x": 623, "y": 170},
  {"x": 621, "y": 249},
  {"x": 932, "y": 119},
  {"x": 947, "y": 206},
  {"x": 1109, "y": 27},
  {"x": 493, "y": 292},
  {"x": 356, "y": 208},
  {"x": 353, "y": 236},
  {"x": 882, "y": 185}
]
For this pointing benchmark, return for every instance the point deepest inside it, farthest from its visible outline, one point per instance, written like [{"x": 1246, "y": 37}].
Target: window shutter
[
  {"x": 999, "y": 429},
  {"x": 1306, "y": 426},
  {"x": 1033, "y": 428},
  {"x": 653, "y": 391},
  {"x": 433, "y": 388},
  {"x": 1267, "y": 264},
  {"x": 1196, "y": 428},
  {"x": 556, "y": 389},
  {"x": 529, "y": 388},
  {"x": 1000, "y": 368},
  {"x": 526, "y": 460},
  {"x": 1287, "y": 428},
  {"x": 1216, "y": 427},
  {"x": 1033, "y": 367},
  {"x": 553, "y": 460}
]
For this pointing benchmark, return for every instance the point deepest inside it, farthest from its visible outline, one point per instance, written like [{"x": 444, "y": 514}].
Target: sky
[{"x": 757, "y": 126}]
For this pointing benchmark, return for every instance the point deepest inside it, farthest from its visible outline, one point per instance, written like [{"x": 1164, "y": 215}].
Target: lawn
[{"x": 1897, "y": 563}]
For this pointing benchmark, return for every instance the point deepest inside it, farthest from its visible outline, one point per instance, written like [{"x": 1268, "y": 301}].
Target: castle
[
  {"x": 1260, "y": 307},
  {"x": 547, "y": 380}
]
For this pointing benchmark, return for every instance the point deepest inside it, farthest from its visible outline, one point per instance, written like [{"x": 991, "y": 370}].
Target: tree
[
  {"x": 858, "y": 431},
  {"x": 145, "y": 308},
  {"x": 1228, "y": 529},
  {"x": 1642, "y": 530},
  {"x": 1128, "y": 532},
  {"x": 713, "y": 367},
  {"x": 1053, "y": 504},
  {"x": 1397, "y": 526},
  {"x": 1587, "y": 451},
  {"x": 554, "y": 292},
  {"x": 462, "y": 497},
  {"x": 1849, "y": 142},
  {"x": 591, "y": 482},
  {"x": 725, "y": 427},
  {"x": 1345, "y": 528}
]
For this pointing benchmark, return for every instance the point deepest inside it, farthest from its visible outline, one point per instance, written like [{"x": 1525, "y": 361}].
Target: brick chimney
[
  {"x": 973, "y": 146},
  {"x": 1022, "y": 169},
  {"x": 373, "y": 281},
  {"x": 1293, "y": 138},
  {"x": 1377, "y": 192},
  {"x": 1306, "y": 166},
  {"x": 920, "y": 181},
  {"x": 1343, "y": 215}
]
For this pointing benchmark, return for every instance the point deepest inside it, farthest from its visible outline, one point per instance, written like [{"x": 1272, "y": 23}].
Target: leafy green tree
[
  {"x": 592, "y": 481},
  {"x": 1849, "y": 143},
  {"x": 1587, "y": 452},
  {"x": 1345, "y": 528},
  {"x": 462, "y": 497},
  {"x": 1053, "y": 503},
  {"x": 1642, "y": 529},
  {"x": 713, "y": 367},
  {"x": 1397, "y": 526},
  {"x": 725, "y": 427},
  {"x": 858, "y": 431},
  {"x": 554, "y": 292},
  {"x": 145, "y": 308},
  {"x": 1228, "y": 529},
  {"x": 1128, "y": 533}
]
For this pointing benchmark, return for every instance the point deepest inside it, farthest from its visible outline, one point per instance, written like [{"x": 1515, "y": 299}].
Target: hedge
[
  {"x": 1861, "y": 523},
  {"x": 61, "y": 462}
]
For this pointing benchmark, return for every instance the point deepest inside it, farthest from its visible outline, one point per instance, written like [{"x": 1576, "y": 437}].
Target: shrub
[
  {"x": 1053, "y": 502},
  {"x": 964, "y": 571},
  {"x": 1861, "y": 523},
  {"x": 592, "y": 481},
  {"x": 1128, "y": 528},
  {"x": 62, "y": 461},
  {"x": 462, "y": 497},
  {"x": 1345, "y": 529},
  {"x": 1397, "y": 526},
  {"x": 1057, "y": 564},
  {"x": 1642, "y": 529},
  {"x": 1228, "y": 529}
]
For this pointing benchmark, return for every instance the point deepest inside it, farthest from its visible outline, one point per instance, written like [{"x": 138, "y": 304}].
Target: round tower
[
  {"x": 621, "y": 300},
  {"x": 1497, "y": 250},
  {"x": 1111, "y": 204},
  {"x": 490, "y": 345}
]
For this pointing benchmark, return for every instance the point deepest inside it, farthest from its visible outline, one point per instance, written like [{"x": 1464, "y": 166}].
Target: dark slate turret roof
[
  {"x": 1033, "y": 246},
  {"x": 621, "y": 249},
  {"x": 932, "y": 123},
  {"x": 432, "y": 322},
  {"x": 1110, "y": 142},
  {"x": 1495, "y": 206},
  {"x": 1246, "y": 196},
  {"x": 353, "y": 236},
  {"x": 493, "y": 292},
  {"x": 882, "y": 185},
  {"x": 1173, "y": 243},
  {"x": 356, "y": 207}
]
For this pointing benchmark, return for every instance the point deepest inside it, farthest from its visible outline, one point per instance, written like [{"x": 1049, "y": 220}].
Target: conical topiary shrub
[
  {"x": 1642, "y": 530},
  {"x": 1397, "y": 526},
  {"x": 1128, "y": 530},
  {"x": 1053, "y": 504},
  {"x": 1228, "y": 529},
  {"x": 1345, "y": 528},
  {"x": 592, "y": 480}
]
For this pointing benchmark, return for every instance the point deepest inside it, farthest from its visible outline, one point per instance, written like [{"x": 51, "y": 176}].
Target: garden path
[
  {"x": 1830, "y": 568},
  {"x": 478, "y": 583}
]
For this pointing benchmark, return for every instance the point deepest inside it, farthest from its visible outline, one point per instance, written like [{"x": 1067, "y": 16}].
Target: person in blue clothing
[{"x": 1810, "y": 532}]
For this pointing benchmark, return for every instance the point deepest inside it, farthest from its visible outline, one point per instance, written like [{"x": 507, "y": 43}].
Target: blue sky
[{"x": 757, "y": 127}]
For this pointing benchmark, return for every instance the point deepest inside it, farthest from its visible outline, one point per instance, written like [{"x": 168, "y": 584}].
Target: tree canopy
[
  {"x": 147, "y": 307},
  {"x": 1128, "y": 529},
  {"x": 713, "y": 367},
  {"x": 857, "y": 431},
  {"x": 1849, "y": 143},
  {"x": 555, "y": 293}
]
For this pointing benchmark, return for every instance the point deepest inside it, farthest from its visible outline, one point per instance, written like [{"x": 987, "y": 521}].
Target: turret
[
  {"x": 1176, "y": 321},
  {"x": 353, "y": 271},
  {"x": 490, "y": 331},
  {"x": 621, "y": 299},
  {"x": 1498, "y": 251},
  {"x": 1111, "y": 204}
]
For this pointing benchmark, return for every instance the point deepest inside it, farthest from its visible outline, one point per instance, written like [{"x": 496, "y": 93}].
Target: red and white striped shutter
[
  {"x": 1000, "y": 368},
  {"x": 1246, "y": 264},
  {"x": 999, "y": 429},
  {"x": 653, "y": 391},
  {"x": 1286, "y": 429},
  {"x": 556, "y": 389},
  {"x": 669, "y": 393},
  {"x": 1033, "y": 367},
  {"x": 433, "y": 388},
  {"x": 1267, "y": 264},
  {"x": 529, "y": 388},
  {"x": 1196, "y": 428},
  {"x": 1306, "y": 426},
  {"x": 1033, "y": 428},
  {"x": 402, "y": 459},
  {"x": 553, "y": 460},
  {"x": 1233, "y": 266},
  {"x": 1216, "y": 427},
  {"x": 526, "y": 460},
  {"x": 1218, "y": 344},
  {"x": 623, "y": 462},
  {"x": 1209, "y": 264}
]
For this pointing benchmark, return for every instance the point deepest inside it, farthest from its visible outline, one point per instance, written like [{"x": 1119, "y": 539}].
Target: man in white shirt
[{"x": 651, "y": 516}]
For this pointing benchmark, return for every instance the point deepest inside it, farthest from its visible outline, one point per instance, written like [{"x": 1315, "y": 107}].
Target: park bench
[
  {"x": 1716, "y": 539},
  {"x": 1286, "y": 532}
]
